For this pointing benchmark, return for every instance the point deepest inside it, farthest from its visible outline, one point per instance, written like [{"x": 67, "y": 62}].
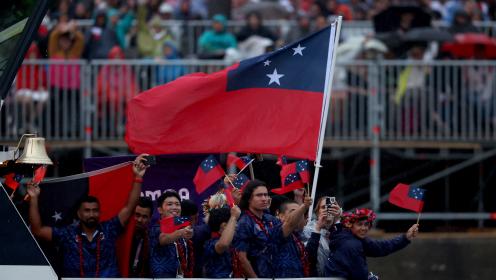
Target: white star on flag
[
  {"x": 274, "y": 77},
  {"x": 57, "y": 216},
  {"x": 267, "y": 62},
  {"x": 298, "y": 50}
]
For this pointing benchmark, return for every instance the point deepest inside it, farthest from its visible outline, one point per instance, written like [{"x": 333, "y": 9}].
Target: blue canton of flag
[
  {"x": 209, "y": 163},
  {"x": 302, "y": 166},
  {"x": 291, "y": 178},
  {"x": 416, "y": 193},
  {"x": 241, "y": 181},
  {"x": 246, "y": 159},
  {"x": 286, "y": 67},
  {"x": 180, "y": 220}
]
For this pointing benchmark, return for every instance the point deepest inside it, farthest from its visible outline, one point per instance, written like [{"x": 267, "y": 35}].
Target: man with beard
[
  {"x": 139, "y": 261},
  {"x": 88, "y": 248}
]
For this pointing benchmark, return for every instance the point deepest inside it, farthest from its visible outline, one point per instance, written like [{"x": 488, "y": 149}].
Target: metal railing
[{"x": 401, "y": 101}]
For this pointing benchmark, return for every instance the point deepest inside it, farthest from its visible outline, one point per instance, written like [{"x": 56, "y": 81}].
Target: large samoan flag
[
  {"x": 59, "y": 198},
  {"x": 267, "y": 104}
]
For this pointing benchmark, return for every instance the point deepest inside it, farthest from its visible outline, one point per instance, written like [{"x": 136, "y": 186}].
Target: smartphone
[
  {"x": 150, "y": 160},
  {"x": 330, "y": 200}
]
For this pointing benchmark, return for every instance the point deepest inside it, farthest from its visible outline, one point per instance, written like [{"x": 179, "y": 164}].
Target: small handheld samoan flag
[
  {"x": 171, "y": 224},
  {"x": 239, "y": 162},
  {"x": 302, "y": 169},
  {"x": 408, "y": 197},
  {"x": 241, "y": 181},
  {"x": 290, "y": 183},
  {"x": 39, "y": 174},
  {"x": 207, "y": 174},
  {"x": 282, "y": 160},
  {"x": 12, "y": 180}
]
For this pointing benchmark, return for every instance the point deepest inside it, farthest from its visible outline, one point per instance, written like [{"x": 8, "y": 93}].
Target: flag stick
[
  {"x": 331, "y": 61},
  {"x": 252, "y": 172},
  {"x": 229, "y": 179},
  {"x": 249, "y": 164},
  {"x": 418, "y": 217}
]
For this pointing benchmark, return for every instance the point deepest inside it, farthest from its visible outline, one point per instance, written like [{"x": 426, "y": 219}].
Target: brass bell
[{"x": 34, "y": 152}]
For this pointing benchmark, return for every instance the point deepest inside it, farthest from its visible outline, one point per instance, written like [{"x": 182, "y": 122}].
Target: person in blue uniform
[
  {"x": 258, "y": 233},
  {"x": 88, "y": 247},
  {"x": 171, "y": 254},
  {"x": 292, "y": 259},
  {"x": 349, "y": 246},
  {"x": 218, "y": 252}
]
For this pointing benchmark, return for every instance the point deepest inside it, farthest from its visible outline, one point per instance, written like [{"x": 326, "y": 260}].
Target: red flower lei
[
  {"x": 187, "y": 263},
  {"x": 81, "y": 256},
  {"x": 258, "y": 221},
  {"x": 303, "y": 256}
]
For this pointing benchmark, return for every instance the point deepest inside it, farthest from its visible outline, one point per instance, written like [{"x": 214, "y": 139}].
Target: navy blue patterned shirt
[
  {"x": 215, "y": 265},
  {"x": 68, "y": 239},
  {"x": 287, "y": 262},
  {"x": 258, "y": 245},
  {"x": 163, "y": 259}
]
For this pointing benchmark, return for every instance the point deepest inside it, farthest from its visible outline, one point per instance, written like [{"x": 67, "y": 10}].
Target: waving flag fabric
[
  {"x": 241, "y": 181},
  {"x": 303, "y": 171},
  {"x": 290, "y": 179},
  {"x": 282, "y": 160},
  {"x": 207, "y": 174},
  {"x": 239, "y": 162},
  {"x": 39, "y": 174},
  {"x": 171, "y": 224},
  {"x": 267, "y": 104},
  {"x": 408, "y": 197}
]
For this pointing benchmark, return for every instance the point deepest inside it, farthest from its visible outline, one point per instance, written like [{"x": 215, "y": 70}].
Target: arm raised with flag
[
  {"x": 139, "y": 169},
  {"x": 45, "y": 232}
]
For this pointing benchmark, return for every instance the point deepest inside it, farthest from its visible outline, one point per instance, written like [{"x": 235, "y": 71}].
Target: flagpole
[
  {"x": 251, "y": 169},
  {"x": 418, "y": 218},
  {"x": 252, "y": 172},
  {"x": 331, "y": 61}
]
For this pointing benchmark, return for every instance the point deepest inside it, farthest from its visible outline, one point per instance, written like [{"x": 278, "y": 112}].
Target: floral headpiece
[
  {"x": 358, "y": 215},
  {"x": 215, "y": 201}
]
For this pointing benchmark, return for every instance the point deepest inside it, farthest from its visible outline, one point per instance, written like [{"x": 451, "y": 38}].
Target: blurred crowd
[{"x": 157, "y": 29}]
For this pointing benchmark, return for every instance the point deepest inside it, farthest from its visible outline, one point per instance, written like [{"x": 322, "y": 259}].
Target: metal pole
[
  {"x": 331, "y": 62},
  {"x": 375, "y": 131},
  {"x": 86, "y": 110}
]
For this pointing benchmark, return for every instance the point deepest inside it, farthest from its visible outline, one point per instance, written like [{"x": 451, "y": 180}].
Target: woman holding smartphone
[{"x": 326, "y": 213}]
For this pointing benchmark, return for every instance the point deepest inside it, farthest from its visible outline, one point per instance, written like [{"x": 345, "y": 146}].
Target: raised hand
[
  {"x": 33, "y": 190},
  {"x": 235, "y": 212},
  {"x": 139, "y": 166},
  {"x": 412, "y": 232}
]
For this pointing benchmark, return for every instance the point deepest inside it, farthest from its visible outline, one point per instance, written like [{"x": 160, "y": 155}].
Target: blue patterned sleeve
[
  {"x": 113, "y": 226},
  {"x": 381, "y": 248},
  {"x": 58, "y": 234},
  {"x": 242, "y": 235}
]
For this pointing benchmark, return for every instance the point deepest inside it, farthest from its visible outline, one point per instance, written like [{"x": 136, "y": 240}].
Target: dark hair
[
  {"x": 217, "y": 217},
  {"x": 88, "y": 199},
  {"x": 165, "y": 195},
  {"x": 188, "y": 208},
  {"x": 145, "y": 202},
  {"x": 317, "y": 206},
  {"x": 283, "y": 205},
  {"x": 249, "y": 189},
  {"x": 276, "y": 202}
]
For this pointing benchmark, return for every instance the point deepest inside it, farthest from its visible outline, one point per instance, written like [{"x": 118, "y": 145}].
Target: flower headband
[{"x": 359, "y": 214}]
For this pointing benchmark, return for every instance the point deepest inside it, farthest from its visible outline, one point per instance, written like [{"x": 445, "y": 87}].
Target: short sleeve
[{"x": 242, "y": 236}]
